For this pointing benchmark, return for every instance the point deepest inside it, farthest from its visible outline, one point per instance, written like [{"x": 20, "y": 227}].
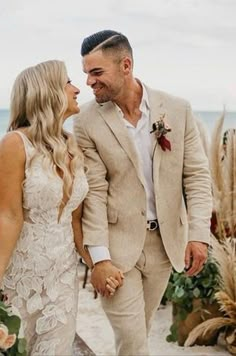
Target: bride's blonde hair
[{"x": 39, "y": 102}]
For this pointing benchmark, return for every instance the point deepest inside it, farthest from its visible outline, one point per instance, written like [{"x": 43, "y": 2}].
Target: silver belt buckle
[{"x": 152, "y": 225}]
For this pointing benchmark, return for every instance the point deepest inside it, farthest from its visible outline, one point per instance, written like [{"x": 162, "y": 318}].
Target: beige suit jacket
[{"x": 115, "y": 208}]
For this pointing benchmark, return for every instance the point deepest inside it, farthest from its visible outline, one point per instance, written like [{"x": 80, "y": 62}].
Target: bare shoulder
[
  {"x": 12, "y": 148},
  {"x": 12, "y": 171}
]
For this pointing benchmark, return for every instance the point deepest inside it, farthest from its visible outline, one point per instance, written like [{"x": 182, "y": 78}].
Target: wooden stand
[{"x": 201, "y": 311}]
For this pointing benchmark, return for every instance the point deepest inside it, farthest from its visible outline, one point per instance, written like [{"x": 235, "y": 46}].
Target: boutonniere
[{"x": 160, "y": 128}]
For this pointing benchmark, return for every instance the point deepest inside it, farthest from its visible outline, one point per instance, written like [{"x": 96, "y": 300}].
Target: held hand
[
  {"x": 101, "y": 271},
  {"x": 195, "y": 256},
  {"x": 111, "y": 285}
]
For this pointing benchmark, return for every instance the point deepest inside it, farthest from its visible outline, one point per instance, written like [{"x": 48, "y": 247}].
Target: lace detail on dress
[
  {"x": 42, "y": 274},
  {"x": 47, "y": 347}
]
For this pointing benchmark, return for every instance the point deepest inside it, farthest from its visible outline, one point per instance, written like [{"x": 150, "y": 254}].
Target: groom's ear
[{"x": 127, "y": 65}]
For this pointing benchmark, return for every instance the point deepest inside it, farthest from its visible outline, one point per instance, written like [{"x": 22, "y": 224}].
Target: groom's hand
[
  {"x": 196, "y": 254},
  {"x": 101, "y": 271}
]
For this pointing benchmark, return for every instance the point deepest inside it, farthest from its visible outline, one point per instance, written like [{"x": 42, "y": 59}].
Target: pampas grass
[
  {"x": 216, "y": 153},
  {"x": 227, "y": 305},
  {"x": 208, "y": 327},
  {"x": 230, "y": 178},
  {"x": 223, "y": 172},
  {"x": 225, "y": 256}
]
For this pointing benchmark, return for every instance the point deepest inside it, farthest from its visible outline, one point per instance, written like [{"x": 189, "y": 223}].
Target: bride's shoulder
[{"x": 12, "y": 146}]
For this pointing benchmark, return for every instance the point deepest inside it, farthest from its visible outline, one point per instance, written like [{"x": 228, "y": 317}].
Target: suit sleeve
[
  {"x": 197, "y": 182},
  {"x": 95, "y": 224}
]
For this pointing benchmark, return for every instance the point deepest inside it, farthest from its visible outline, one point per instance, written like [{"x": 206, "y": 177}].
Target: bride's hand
[{"x": 111, "y": 285}]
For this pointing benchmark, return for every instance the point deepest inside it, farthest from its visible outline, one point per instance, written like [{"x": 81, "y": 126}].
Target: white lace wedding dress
[{"x": 41, "y": 279}]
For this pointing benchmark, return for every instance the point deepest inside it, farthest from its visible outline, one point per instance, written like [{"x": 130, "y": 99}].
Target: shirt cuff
[{"x": 99, "y": 253}]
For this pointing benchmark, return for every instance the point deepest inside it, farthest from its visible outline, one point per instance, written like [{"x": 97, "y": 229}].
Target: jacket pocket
[{"x": 112, "y": 216}]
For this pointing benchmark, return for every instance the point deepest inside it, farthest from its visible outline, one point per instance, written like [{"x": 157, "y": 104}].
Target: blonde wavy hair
[{"x": 39, "y": 102}]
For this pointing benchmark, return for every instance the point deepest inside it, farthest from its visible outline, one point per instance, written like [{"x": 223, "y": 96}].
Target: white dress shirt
[{"x": 143, "y": 143}]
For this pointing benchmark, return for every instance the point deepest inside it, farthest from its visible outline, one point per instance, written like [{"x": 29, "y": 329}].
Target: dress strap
[{"x": 29, "y": 148}]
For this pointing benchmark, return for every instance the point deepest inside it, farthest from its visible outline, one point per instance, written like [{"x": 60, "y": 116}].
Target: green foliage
[
  {"x": 12, "y": 323},
  {"x": 182, "y": 290}
]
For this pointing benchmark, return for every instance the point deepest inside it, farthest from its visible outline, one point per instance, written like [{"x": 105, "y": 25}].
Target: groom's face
[{"x": 105, "y": 75}]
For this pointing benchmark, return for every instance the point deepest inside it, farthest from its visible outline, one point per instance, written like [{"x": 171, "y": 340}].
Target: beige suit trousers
[{"x": 133, "y": 306}]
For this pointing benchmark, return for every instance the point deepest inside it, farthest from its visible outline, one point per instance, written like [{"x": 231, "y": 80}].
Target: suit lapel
[{"x": 112, "y": 119}]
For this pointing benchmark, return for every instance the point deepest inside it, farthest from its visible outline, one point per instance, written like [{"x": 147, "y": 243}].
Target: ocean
[
  {"x": 208, "y": 117},
  {"x": 4, "y": 119}
]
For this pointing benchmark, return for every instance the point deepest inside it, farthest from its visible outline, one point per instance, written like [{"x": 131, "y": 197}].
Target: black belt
[{"x": 152, "y": 225}]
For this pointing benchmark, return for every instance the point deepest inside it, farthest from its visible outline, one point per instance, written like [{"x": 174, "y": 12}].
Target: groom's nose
[{"x": 90, "y": 80}]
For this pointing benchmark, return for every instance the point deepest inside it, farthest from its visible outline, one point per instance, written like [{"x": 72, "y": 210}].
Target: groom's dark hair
[{"x": 106, "y": 40}]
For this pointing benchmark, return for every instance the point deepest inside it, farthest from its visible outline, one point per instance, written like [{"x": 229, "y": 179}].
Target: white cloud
[{"x": 186, "y": 47}]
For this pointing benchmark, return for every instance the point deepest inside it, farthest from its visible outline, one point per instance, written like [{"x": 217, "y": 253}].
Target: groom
[{"x": 142, "y": 150}]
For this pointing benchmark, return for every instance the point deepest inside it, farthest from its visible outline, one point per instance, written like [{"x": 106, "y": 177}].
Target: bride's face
[{"x": 72, "y": 93}]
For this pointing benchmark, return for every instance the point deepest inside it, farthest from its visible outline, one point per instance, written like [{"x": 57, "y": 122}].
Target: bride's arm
[
  {"x": 78, "y": 236},
  {"x": 12, "y": 172}
]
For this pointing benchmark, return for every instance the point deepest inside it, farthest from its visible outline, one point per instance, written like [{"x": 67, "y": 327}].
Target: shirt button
[{"x": 143, "y": 212}]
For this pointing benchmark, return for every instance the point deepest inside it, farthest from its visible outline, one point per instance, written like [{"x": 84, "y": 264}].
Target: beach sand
[{"x": 94, "y": 328}]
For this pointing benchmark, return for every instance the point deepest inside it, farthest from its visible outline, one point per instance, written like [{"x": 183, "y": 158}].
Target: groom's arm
[
  {"x": 95, "y": 222},
  {"x": 197, "y": 185}
]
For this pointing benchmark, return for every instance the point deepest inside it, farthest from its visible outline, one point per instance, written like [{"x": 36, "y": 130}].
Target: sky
[{"x": 184, "y": 47}]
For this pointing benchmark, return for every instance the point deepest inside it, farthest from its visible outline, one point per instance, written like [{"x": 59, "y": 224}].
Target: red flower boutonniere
[{"x": 160, "y": 129}]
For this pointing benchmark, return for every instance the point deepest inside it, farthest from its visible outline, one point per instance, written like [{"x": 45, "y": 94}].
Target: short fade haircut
[{"x": 106, "y": 40}]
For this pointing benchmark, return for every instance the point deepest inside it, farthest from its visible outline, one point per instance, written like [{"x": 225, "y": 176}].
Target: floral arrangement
[
  {"x": 224, "y": 253},
  {"x": 183, "y": 290},
  {"x": 11, "y": 344},
  {"x": 160, "y": 128}
]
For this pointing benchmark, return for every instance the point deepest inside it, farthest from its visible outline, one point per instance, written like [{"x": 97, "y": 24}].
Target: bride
[{"x": 42, "y": 186}]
